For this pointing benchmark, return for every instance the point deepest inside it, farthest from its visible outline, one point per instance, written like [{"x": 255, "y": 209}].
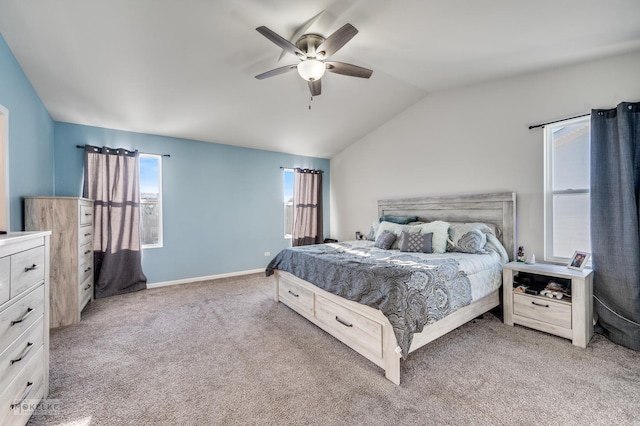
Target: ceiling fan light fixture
[{"x": 311, "y": 69}]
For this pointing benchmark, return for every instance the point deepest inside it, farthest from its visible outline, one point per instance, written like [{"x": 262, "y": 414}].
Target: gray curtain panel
[
  {"x": 307, "y": 207},
  {"x": 112, "y": 181},
  {"x": 615, "y": 211}
]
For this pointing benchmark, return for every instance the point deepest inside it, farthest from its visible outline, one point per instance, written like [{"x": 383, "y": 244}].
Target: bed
[{"x": 373, "y": 325}]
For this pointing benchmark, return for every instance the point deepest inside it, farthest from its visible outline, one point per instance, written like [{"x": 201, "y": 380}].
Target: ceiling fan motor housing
[{"x": 309, "y": 43}]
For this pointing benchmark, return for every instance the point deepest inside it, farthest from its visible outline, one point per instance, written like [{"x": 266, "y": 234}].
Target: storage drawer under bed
[{"x": 362, "y": 333}]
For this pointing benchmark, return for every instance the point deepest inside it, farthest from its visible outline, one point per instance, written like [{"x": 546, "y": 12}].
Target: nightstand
[{"x": 571, "y": 318}]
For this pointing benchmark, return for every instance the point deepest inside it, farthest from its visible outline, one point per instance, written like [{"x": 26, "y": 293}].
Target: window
[
  {"x": 151, "y": 200},
  {"x": 288, "y": 203},
  {"x": 567, "y": 182}
]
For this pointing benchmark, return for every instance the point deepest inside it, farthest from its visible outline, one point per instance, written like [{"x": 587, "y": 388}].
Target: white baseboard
[{"x": 210, "y": 277}]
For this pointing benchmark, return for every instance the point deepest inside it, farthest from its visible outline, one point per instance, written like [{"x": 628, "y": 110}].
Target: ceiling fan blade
[
  {"x": 348, "y": 69},
  {"x": 300, "y": 31},
  {"x": 315, "y": 87},
  {"x": 335, "y": 41},
  {"x": 276, "y": 71},
  {"x": 281, "y": 42}
]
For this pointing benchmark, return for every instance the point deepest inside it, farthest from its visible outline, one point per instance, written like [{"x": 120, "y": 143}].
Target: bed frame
[{"x": 366, "y": 330}]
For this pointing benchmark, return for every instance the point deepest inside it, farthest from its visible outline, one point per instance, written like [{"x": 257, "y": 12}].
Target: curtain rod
[
  {"x": 299, "y": 168},
  {"x": 148, "y": 153},
  {"x": 557, "y": 121}
]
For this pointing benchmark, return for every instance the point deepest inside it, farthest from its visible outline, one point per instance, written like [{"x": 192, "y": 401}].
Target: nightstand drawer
[{"x": 543, "y": 309}]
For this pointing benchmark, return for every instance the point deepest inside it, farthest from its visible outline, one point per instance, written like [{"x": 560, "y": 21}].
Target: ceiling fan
[{"x": 312, "y": 50}]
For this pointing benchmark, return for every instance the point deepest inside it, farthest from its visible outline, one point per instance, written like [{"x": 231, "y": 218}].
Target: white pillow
[{"x": 439, "y": 229}]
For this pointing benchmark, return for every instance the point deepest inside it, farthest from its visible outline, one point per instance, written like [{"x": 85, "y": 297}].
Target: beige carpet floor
[{"x": 222, "y": 352}]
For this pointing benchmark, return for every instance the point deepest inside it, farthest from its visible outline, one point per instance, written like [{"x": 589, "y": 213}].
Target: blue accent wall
[
  {"x": 222, "y": 205},
  {"x": 31, "y": 169}
]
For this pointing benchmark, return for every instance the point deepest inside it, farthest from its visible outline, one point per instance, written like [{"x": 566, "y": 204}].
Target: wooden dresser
[
  {"x": 70, "y": 220},
  {"x": 24, "y": 324}
]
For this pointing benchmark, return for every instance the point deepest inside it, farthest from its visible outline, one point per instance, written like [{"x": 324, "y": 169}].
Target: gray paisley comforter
[{"x": 411, "y": 292}]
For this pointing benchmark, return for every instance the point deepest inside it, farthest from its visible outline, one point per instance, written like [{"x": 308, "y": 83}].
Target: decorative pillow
[
  {"x": 396, "y": 229},
  {"x": 402, "y": 220},
  {"x": 439, "y": 229},
  {"x": 371, "y": 235},
  {"x": 385, "y": 240},
  {"x": 416, "y": 243},
  {"x": 468, "y": 237}
]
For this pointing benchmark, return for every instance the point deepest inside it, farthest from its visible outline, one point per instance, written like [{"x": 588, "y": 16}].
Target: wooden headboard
[{"x": 498, "y": 209}]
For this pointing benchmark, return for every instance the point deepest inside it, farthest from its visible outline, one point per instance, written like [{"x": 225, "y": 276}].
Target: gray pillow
[
  {"x": 416, "y": 243},
  {"x": 385, "y": 240}
]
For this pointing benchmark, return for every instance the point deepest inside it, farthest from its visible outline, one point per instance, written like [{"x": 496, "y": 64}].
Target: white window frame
[
  {"x": 549, "y": 192},
  {"x": 160, "y": 242}
]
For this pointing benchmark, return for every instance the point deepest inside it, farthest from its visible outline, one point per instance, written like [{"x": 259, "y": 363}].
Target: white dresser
[
  {"x": 24, "y": 324},
  {"x": 70, "y": 219}
]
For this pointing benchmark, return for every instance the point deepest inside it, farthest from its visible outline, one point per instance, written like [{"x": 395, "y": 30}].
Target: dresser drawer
[
  {"x": 85, "y": 235},
  {"x": 27, "y": 386},
  {"x": 86, "y": 214},
  {"x": 295, "y": 296},
  {"x": 85, "y": 269},
  {"x": 20, "y": 352},
  {"x": 363, "y": 334},
  {"x": 17, "y": 318},
  {"x": 86, "y": 254},
  {"x": 5, "y": 279},
  {"x": 543, "y": 309},
  {"x": 85, "y": 291},
  {"x": 27, "y": 269}
]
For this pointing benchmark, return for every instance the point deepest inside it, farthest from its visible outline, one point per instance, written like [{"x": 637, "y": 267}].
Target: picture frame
[{"x": 579, "y": 260}]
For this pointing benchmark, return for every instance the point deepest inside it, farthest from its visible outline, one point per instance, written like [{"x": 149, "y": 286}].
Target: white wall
[{"x": 474, "y": 139}]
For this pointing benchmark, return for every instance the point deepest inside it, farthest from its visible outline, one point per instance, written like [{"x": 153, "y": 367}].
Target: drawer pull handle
[
  {"x": 87, "y": 252},
  {"x": 539, "y": 304},
  {"x": 293, "y": 294},
  {"x": 31, "y": 268},
  {"x": 24, "y": 317},
  {"x": 87, "y": 214},
  {"x": 24, "y": 395},
  {"x": 88, "y": 269},
  {"x": 87, "y": 234},
  {"x": 88, "y": 286},
  {"x": 23, "y": 354},
  {"x": 343, "y": 323}
]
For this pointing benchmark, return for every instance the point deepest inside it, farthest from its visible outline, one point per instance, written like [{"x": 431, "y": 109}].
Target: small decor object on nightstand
[
  {"x": 521, "y": 254},
  {"x": 579, "y": 260}
]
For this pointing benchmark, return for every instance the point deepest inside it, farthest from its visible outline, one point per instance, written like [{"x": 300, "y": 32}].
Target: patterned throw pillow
[
  {"x": 468, "y": 237},
  {"x": 472, "y": 242},
  {"x": 385, "y": 240},
  {"x": 416, "y": 243}
]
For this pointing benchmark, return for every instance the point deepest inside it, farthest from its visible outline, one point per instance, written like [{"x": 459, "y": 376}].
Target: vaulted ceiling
[{"x": 186, "y": 68}]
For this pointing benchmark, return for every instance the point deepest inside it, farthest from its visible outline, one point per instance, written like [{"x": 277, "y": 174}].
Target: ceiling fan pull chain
[{"x": 310, "y": 100}]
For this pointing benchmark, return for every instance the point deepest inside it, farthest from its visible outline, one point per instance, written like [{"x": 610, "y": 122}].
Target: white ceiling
[{"x": 186, "y": 68}]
